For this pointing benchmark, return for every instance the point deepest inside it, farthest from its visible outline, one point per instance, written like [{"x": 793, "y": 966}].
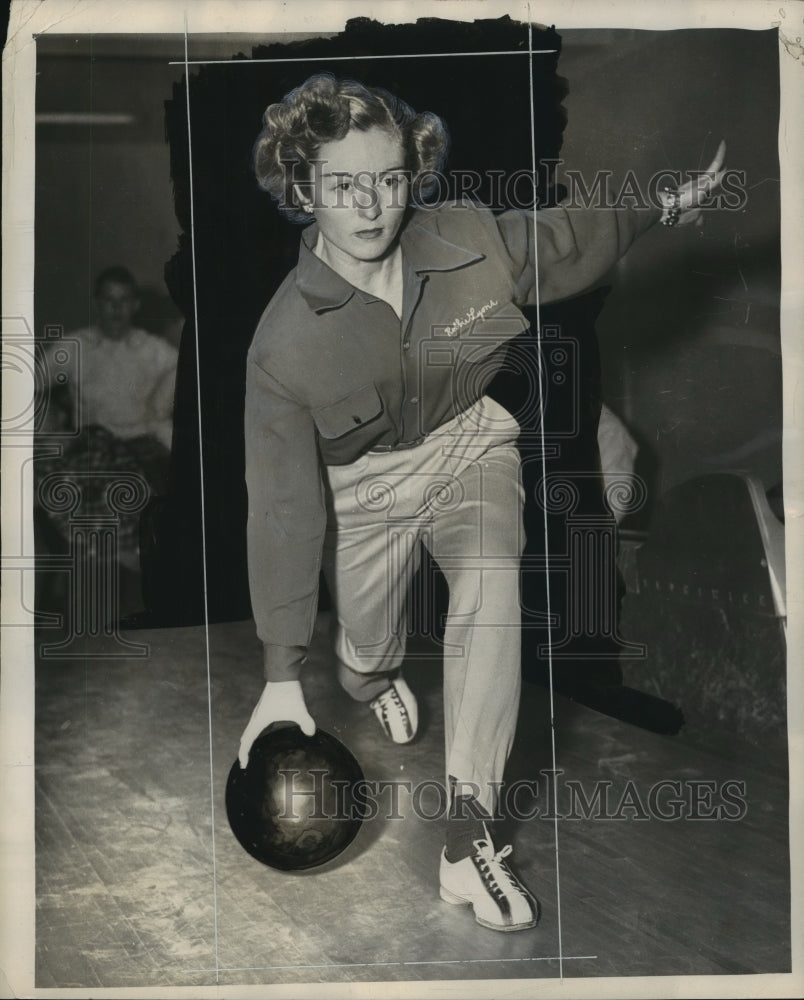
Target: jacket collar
[
  {"x": 322, "y": 287},
  {"x": 425, "y": 250},
  {"x": 422, "y": 249}
]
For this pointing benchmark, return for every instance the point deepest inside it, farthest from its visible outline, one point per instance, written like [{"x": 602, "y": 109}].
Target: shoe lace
[
  {"x": 388, "y": 696},
  {"x": 499, "y": 875}
]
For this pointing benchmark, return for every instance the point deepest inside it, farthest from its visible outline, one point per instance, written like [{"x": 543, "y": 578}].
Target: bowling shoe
[
  {"x": 484, "y": 881},
  {"x": 397, "y": 711}
]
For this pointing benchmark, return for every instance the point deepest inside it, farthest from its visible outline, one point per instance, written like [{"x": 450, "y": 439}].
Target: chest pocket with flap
[{"x": 358, "y": 408}]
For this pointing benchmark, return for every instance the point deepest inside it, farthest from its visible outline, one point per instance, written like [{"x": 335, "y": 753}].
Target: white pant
[{"x": 459, "y": 493}]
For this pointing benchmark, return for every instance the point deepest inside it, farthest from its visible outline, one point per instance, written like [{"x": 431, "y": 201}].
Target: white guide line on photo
[
  {"x": 186, "y": 62},
  {"x": 407, "y": 55},
  {"x": 203, "y": 511},
  {"x": 386, "y": 965},
  {"x": 543, "y": 449}
]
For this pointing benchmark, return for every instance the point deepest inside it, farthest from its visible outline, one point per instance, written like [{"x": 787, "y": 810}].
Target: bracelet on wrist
[{"x": 671, "y": 211}]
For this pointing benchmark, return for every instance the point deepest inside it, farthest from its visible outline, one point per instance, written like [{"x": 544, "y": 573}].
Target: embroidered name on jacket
[{"x": 470, "y": 317}]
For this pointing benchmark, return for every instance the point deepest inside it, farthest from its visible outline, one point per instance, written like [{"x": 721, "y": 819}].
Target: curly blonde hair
[{"x": 324, "y": 109}]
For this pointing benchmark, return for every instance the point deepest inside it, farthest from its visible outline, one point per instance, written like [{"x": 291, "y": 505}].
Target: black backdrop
[{"x": 244, "y": 249}]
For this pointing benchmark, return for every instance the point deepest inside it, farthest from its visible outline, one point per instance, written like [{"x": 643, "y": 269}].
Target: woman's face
[{"x": 360, "y": 192}]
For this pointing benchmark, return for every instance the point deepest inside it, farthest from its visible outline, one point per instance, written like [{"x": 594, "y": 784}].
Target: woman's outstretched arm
[{"x": 576, "y": 247}]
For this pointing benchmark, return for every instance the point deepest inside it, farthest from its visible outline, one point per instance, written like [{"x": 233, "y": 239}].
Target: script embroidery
[{"x": 471, "y": 316}]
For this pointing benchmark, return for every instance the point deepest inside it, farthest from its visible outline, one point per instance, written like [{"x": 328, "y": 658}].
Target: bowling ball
[{"x": 293, "y": 807}]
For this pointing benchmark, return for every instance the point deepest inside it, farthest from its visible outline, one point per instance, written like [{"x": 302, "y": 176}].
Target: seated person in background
[{"x": 120, "y": 387}]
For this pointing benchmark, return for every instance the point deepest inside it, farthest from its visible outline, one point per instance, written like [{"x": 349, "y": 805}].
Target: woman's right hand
[
  {"x": 280, "y": 701},
  {"x": 696, "y": 193}
]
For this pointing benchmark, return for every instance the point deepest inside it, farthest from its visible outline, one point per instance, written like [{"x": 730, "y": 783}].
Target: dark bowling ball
[{"x": 293, "y": 807}]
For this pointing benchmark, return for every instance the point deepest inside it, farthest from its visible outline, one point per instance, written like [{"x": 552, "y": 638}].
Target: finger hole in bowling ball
[{"x": 294, "y": 806}]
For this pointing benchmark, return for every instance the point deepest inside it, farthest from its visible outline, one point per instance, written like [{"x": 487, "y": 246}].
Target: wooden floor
[{"x": 133, "y": 889}]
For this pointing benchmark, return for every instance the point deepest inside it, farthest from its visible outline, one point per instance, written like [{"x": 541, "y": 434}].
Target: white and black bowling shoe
[
  {"x": 484, "y": 881},
  {"x": 397, "y": 712}
]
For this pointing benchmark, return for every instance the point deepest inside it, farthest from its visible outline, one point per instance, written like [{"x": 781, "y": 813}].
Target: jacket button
[
  {"x": 414, "y": 399},
  {"x": 406, "y": 345}
]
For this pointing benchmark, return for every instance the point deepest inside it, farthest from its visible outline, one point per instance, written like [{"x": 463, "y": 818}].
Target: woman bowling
[{"x": 368, "y": 434}]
